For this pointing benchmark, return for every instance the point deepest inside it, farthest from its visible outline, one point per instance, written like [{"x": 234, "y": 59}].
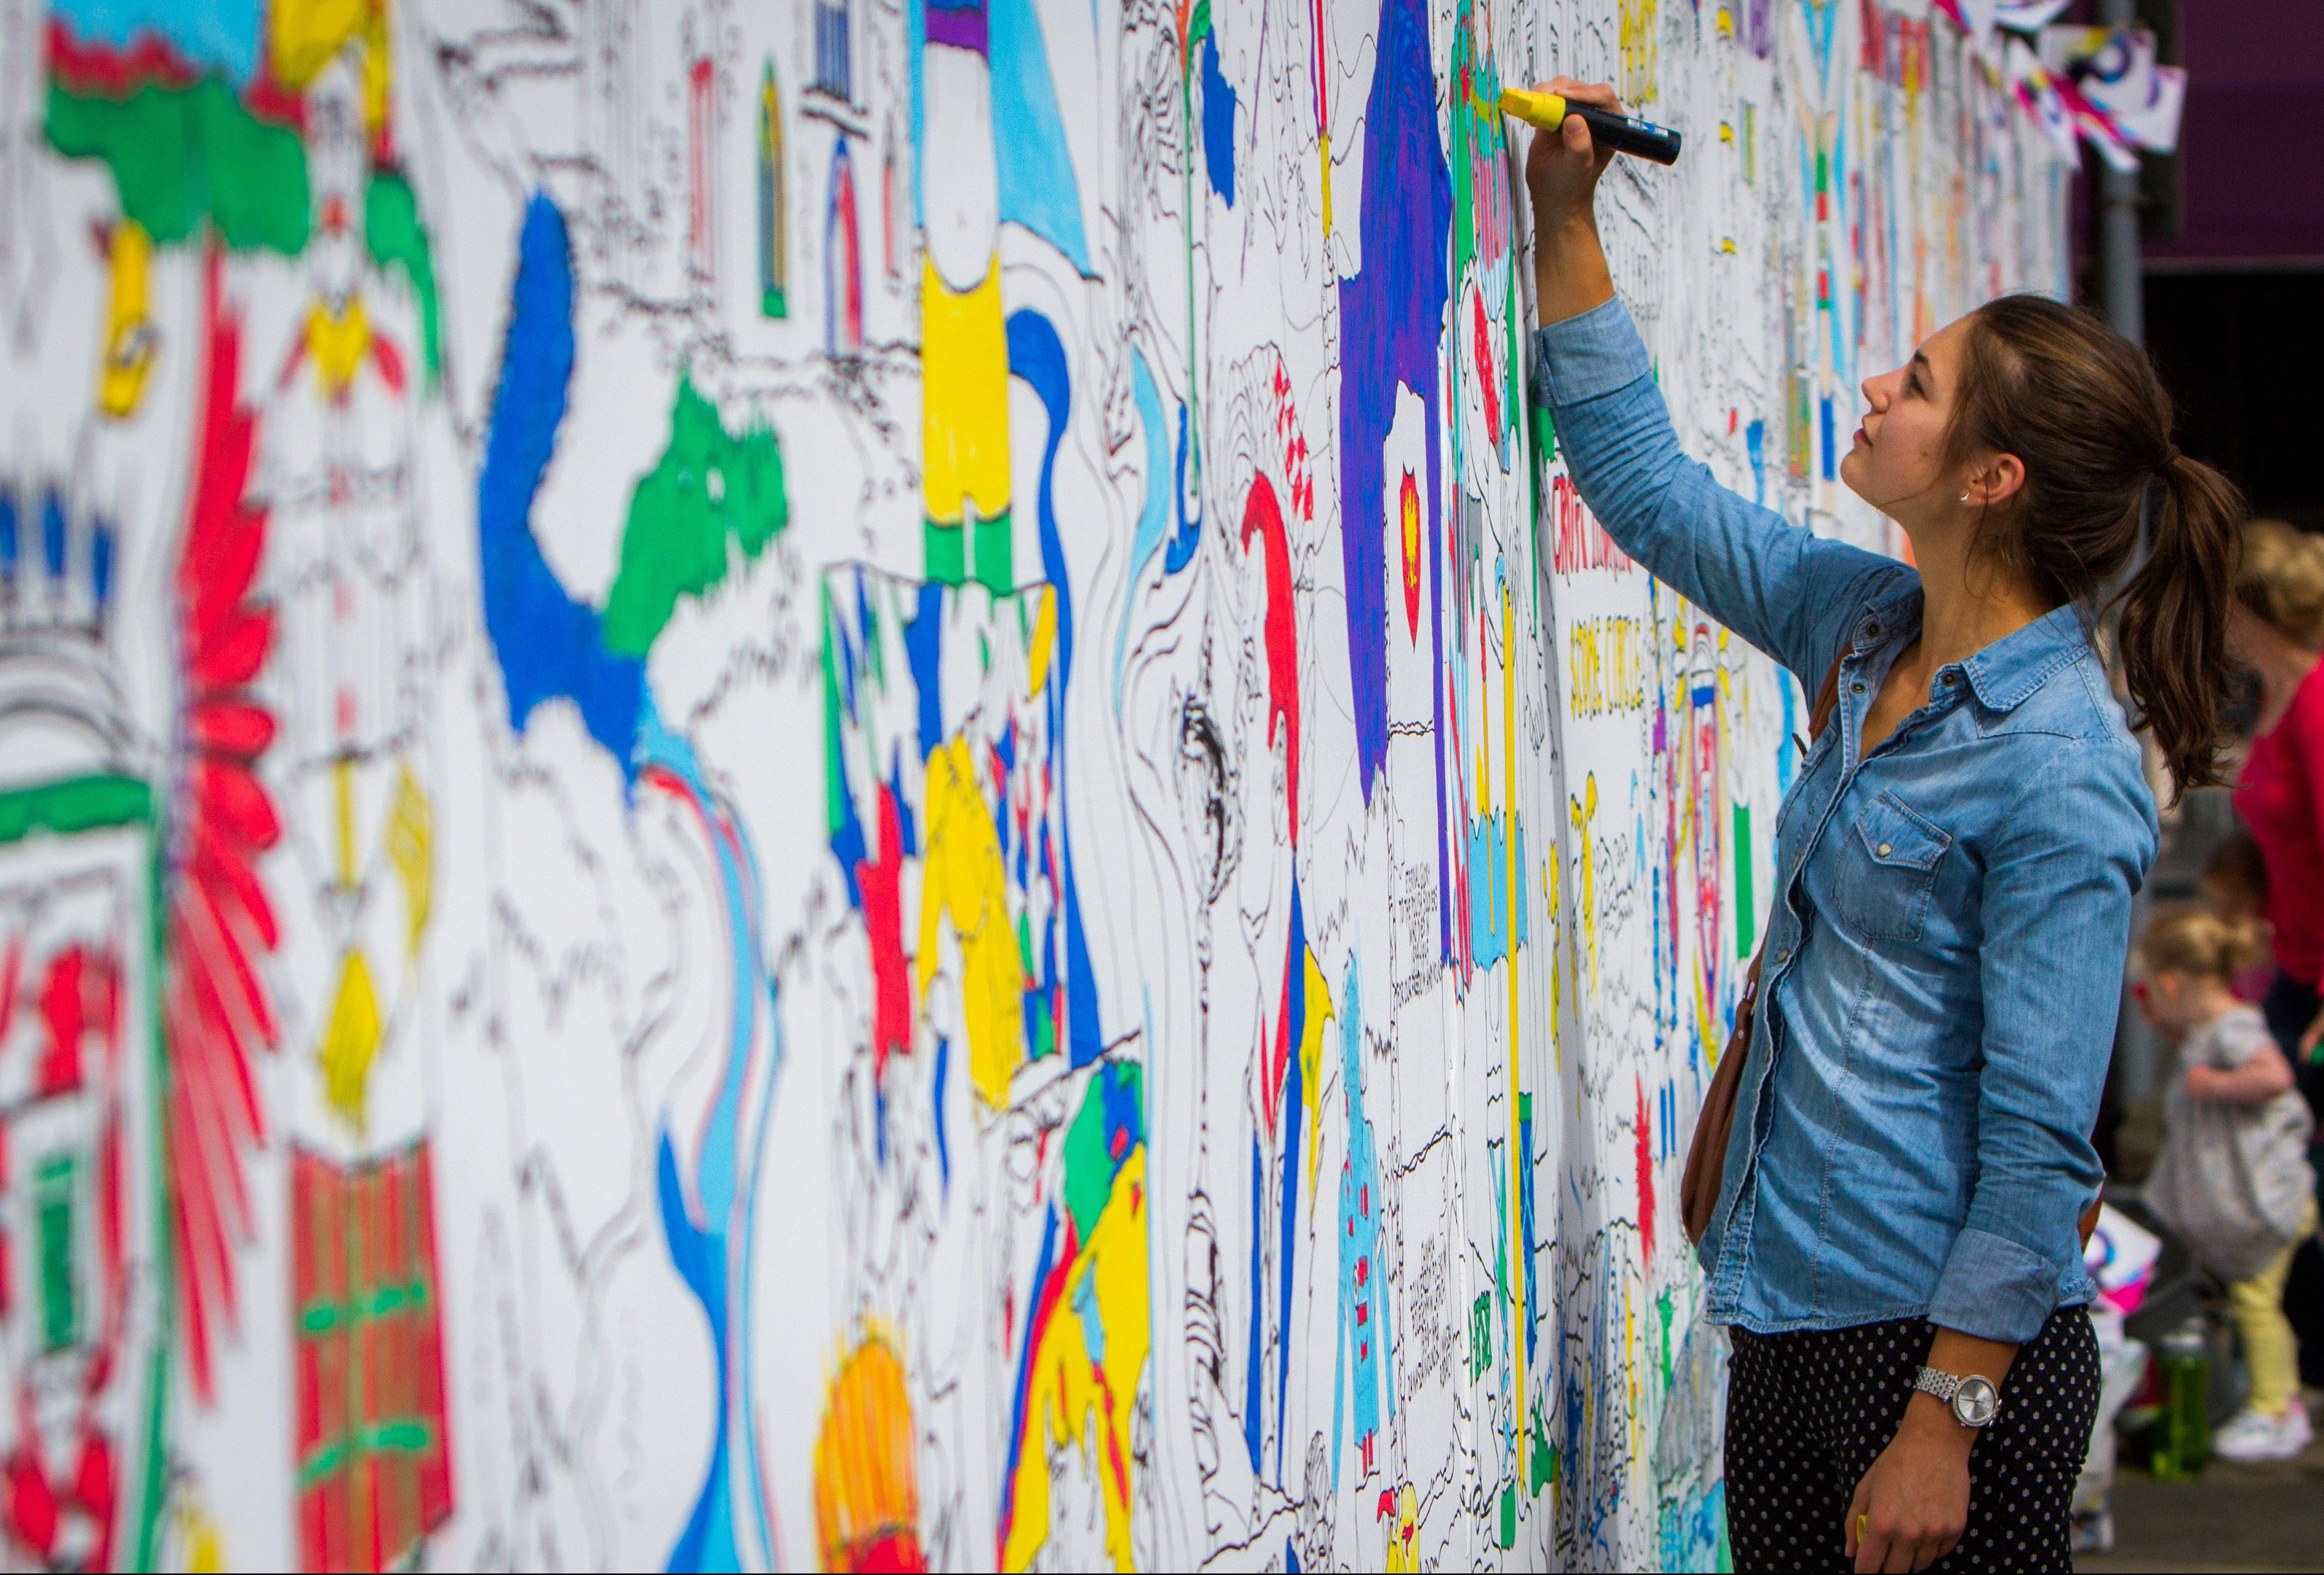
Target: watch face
[{"x": 1975, "y": 1402}]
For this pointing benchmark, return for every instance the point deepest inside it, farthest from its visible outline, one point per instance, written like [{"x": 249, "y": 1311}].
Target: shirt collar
[{"x": 2005, "y": 674}]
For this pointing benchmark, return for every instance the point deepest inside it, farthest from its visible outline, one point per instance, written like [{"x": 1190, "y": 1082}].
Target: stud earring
[{"x": 1964, "y": 497}]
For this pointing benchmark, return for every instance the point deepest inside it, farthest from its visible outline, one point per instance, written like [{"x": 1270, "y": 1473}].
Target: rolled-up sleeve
[
  {"x": 2073, "y": 850},
  {"x": 1779, "y": 586}
]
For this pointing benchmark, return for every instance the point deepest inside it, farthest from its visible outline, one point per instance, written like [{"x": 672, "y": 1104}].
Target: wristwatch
[{"x": 1973, "y": 1399}]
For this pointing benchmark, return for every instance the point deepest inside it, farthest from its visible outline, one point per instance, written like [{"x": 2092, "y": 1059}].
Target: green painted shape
[
  {"x": 835, "y": 768},
  {"x": 82, "y": 803},
  {"x": 1480, "y": 1335},
  {"x": 398, "y": 242},
  {"x": 1542, "y": 1467},
  {"x": 182, "y": 154},
  {"x": 772, "y": 303},
  {"x": 1089, "y": 1169},
  {"x": 56, "y": 1190},
  {"x": 710, "y": 487},
  {"x": 1508, "y": 1529},
  {"x": 996, "y": 555},
  {"x": 1746, "y": 915}
]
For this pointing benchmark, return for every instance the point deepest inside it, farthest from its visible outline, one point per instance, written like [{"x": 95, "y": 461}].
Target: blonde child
[{"x": 2233, "y": 1177}]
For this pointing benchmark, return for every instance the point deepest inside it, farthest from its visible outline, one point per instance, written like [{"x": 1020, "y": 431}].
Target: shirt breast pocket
[{"x": 1888, "y": 867}]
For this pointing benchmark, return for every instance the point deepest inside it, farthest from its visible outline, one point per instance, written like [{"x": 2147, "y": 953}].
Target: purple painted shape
[
  {"x": 1391, "y": 315},
  {"x": 961, "y": 27}
]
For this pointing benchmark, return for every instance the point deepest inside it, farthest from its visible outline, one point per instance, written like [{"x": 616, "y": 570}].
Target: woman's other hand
[
  {"x": 1913, "y": 1505},
  {"x": 1562, "y": 170}
]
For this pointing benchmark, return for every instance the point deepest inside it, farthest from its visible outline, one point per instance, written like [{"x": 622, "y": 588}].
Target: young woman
[
  {"x": 2277, "y": 627},
  {"x": 1895, "y": 1243}
]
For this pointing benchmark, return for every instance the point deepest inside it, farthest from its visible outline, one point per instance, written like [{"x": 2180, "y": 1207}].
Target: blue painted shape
[
  {"x": 1361, "y": 1353},
  {"x": 1830, "y": 459},
  {"x": 550, "y": 646},
  {"x": 1038, "y": 188},
  {"x": 221, "y": 35},
  {"x": 1218, "y": 122},
  {"x": 924, "y": 644},
  {"x": 1020, "y": 1389},
  {"x": 1253, "y": 1371},
  {"x": 1154, "y": 518},
  {"x": 100, "y": 563},
  {"x": 1293, "y": 1109},
  {"x": 943, "y": 1139},
  {"x": 52, "y": 534},
  {"x": 722, "y": 1195},
  {"x": 1392, "y": 312},
  {"x": 1037, "y": 357},
  {"x": 1180, "y": 552},
  {"x": 1755, "y": 440},
  {"x": 916, "y": 46},
  {"x": 1493, "y": 934},
  {"x": 10, "y": 550}
]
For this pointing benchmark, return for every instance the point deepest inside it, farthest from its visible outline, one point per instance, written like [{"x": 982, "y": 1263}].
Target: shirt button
[
  {"x": 1785, "y": 955},
  {"x": 1952, "y": 678},
  {"x": 1856, "y": 689},
  {"x": 1884, "y": 850},
  {"x": 1871, "y": 630}
]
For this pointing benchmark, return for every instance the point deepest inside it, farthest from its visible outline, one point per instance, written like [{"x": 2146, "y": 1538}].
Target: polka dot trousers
[{"x": 1809, "y": 1412}]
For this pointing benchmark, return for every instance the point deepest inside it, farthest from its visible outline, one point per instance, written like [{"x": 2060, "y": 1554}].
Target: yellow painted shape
[
  {"x": 377, "y": 82},
  {"x": 202, "y": 1540},
  {"x": 1073, "y": 1400},
  {"x": 964, "y": 397},
  {"x": 1325, "y": 139},
  {"x": 410, "y": 848},
  {"x": 343, "y": 801},
  {"x": 129, "y": 338},
  {"x": 1584, "y": 811},
  {"x": 866, "y": 1486},
  {"x": 964, "y": 881},
  {"x": 1403, "y": 1534},
  {"x": 1311, "y": 1062},
  {"x": 1045, "y": 635},
  {"x": 351, "y": 1040},
  {"x": 337, "y": 342},
  {"x": 304, "y": 36}
]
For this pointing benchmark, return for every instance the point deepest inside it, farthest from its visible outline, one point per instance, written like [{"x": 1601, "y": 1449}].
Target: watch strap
[{"x": 1943, "y": 1386}]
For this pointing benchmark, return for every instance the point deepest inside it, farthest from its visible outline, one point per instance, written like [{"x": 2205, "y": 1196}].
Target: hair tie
[{"x": 2171, "y": 456}]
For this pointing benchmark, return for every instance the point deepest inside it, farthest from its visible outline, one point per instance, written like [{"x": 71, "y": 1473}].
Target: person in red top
[{"x": 2276, "y": 628}]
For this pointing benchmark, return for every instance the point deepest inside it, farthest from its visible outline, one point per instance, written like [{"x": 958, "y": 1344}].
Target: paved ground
[{"x": 2231, "y": 1519}]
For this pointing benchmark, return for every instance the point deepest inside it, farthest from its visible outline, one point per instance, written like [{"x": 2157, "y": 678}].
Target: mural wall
[{"x": 845, "y": 783}]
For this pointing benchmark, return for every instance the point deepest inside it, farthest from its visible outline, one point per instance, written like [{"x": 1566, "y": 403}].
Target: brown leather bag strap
[{"x": 1826, "y": 700}]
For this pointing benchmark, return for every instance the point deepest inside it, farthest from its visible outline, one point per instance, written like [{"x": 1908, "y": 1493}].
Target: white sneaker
[{"x": 2255, "y": 1435}]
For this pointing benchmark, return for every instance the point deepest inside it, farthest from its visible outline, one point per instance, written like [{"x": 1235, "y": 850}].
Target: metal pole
[{"x": 2122, "y": 273}]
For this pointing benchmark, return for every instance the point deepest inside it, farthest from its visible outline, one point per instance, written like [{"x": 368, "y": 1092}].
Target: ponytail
[
  {"x": 2172, "y": 628},
  {"x": 2186, "y": 937},
  {"x": 2082, "y": 410}
]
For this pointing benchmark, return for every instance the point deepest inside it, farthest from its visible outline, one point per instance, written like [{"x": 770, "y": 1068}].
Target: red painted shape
[
  {"x": 1645, "y": 1177},
  {"x": 215, "y": 1009},
  {"x": 64, "y": 1011},
  {"x": 1484, "y": 345},
  {"x": 1262, "y": 517},
  {"x": 882, "y": 883}
]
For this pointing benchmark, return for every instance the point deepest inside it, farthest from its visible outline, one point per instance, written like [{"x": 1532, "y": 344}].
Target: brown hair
[
  {"x": 2186, "y": 937},
  {"x": 2082, "y": 410},
  {"x": 2281, "y": 580},
  {"x": 2237, "y": 864}
]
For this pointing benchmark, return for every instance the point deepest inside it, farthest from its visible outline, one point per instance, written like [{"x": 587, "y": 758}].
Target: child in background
[
  {"x": 2234, "y": 887},
  {"x": 2233, "y": 1178}
]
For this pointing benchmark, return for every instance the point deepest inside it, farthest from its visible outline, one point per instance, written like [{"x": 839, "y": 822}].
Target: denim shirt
[{"x": 1944, "y": 960}]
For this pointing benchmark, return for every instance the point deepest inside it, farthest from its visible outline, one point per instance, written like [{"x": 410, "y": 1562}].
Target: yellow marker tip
[{"x": 1546, "y": 110}]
